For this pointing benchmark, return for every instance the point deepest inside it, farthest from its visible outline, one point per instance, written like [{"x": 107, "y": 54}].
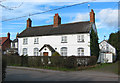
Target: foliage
[
  {"x": 55, "y": 54},
  {"x": 51, "y": 61},
  {"x": 57, "y": 61},
  {"x": 114, "y": 40},
  {"x": 4, "y": 64},
  {"x": 94, "y": 45},
  {"x": 70, "y": 62}
]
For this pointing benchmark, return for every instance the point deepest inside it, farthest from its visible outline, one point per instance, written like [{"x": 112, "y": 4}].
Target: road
[{"x": 22, "y": 74}]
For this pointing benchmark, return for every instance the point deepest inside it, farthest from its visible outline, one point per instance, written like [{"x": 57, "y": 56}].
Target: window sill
[
  {"x": 24, "y": 44},
  {"x": 80, "y": 41},
  {"x": 63, "y": 42},
  {"x": 36, "y": 43}
]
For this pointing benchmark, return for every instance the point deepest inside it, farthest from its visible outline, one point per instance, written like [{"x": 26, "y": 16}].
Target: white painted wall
[
  {"x": 106, "y": 47},
  {"x": 16, "y": 44},
  {"x": 47, "y": 50},
  {"x": 55, "y": 42},
  {"x": 103, "y": 57}
]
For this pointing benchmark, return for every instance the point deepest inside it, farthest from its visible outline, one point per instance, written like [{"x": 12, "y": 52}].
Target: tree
[
  {"x": 94, "y": 45},
  {"x": 114, "y": 40}
]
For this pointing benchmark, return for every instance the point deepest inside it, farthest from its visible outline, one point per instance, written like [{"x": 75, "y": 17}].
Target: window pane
[
  {"x": 64, "y": 51},
  {"x": 36, "y": 51}
]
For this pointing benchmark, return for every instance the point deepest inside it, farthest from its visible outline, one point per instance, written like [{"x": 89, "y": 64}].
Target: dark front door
[{"x": 45, "y": 53}]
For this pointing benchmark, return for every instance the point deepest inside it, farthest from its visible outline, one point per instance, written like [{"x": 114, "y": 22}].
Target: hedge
[{"x": 52, "y": 61}]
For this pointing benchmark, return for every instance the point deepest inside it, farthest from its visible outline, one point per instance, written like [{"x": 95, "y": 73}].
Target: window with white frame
[
  {"x": 64, "y": 39},
  {"x": 24, "y": 51},
  {"x": 64, "y": 51},
  {"x": 80, "y": 38},
  {"x": 36, "y": 40},
  {"x": 25, "y": 40},
  {"x": 80, "y": 51},
  {"x": 36, "y": 51}
]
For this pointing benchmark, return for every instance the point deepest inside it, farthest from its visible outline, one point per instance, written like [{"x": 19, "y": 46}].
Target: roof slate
[{"x": 70, "y": 28}]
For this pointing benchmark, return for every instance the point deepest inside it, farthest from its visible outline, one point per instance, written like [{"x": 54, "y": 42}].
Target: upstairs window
[
  {"x": 25, "y": 41},
  {"x": 80, "y": 38},
  {"x": 24, "y": 51},
  {"x": 64, "y": 39},
  {"x": 80, "y": 51},
  {"x": 36, "y": 40},
  {"x": 64, "y": 51}
]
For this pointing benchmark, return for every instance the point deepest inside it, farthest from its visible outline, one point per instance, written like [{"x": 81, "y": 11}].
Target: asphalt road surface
[{"x": 17, "y": 74}]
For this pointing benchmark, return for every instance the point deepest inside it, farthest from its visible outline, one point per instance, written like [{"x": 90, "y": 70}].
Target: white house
[
  {"x": 107, "y": 52},
  {"x": 66, "y": 39}
]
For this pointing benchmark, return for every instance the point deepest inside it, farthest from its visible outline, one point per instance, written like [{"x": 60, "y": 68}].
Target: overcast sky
[{"x": 106, "y": 14}]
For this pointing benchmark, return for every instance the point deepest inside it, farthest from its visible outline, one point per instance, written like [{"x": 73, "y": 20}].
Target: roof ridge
[{"x": 60, "y": 24}]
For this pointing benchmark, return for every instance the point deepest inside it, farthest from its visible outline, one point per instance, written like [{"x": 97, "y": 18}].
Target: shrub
[
  {"x": 24, "y": 60},
  {"x": 34, "y": 61},
  {"x": 70, "y": 62},
  {"x": 56, "y": 54},
  {"x": 57, "y": 61},
  {"x": 4, "y": 64}
]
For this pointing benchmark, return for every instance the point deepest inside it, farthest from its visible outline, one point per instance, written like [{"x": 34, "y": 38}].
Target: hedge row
[{"x": 53, "y": 61}]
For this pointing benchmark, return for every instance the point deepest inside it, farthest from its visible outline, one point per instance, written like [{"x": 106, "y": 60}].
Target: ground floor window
[
  {"x": 36, "y": 51},
  {"x": 24, "y": 51},
  {"x": 64, "y": 51},
  {"x": 80, "y": 51}
]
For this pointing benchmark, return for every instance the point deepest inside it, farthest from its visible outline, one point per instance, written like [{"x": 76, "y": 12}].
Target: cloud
[
  {"x": 17, "y": 23},
  {"x": 49, "y": 21},
  {"x": 81, "y": 17},
  {"x": 107, "y": 18}
]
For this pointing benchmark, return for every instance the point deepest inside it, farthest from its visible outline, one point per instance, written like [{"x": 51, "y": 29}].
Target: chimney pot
[
  {"x": 17, "y": 35},
  {"x": 29, "y": 23},
  {"x": 57, "y": 20},
  {"x": 92, "y": 16},
  {"x": 8, "y": 35}
]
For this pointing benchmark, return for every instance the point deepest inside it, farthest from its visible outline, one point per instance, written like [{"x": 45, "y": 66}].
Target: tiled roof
[
  {"x": 70, "y": 28},
  {"x": 3, "y": 39}
]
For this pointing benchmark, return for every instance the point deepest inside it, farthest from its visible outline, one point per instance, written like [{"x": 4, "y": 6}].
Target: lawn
[{"x": 107, "y": 67}]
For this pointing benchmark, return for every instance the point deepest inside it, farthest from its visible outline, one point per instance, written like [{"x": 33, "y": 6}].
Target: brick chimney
[
  {"x": 8, "y": 35},
  {"x": 92, "y": 16},
  {"x": 57, "y": 20},
  {"x": 29, "y": 23},
  {"x": 17, "y": 35}
]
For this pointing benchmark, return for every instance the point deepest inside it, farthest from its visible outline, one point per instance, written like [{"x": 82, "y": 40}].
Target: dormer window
[
  {"x": 80, "y": 38},
  {"x": 64, "y": 39},
  {"x": 36, "y": 40}
]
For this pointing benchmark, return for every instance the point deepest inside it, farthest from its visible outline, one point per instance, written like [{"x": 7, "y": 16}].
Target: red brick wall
[{"x": 6, "y": 44}]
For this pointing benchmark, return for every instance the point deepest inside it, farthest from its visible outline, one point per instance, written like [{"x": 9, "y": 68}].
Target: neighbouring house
[
  {"x": 14, "y": 47},
  {"x": 66, "y": 39},
  {"x": 107, "y": 52},
  {"x": 5, "y": 43}
]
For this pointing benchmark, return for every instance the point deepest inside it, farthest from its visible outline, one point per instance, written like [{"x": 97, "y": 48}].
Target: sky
[{"x": 106, "y": 14}]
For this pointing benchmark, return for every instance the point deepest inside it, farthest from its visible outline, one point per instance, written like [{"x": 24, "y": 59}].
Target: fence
[{"x": 52, "y": 61}]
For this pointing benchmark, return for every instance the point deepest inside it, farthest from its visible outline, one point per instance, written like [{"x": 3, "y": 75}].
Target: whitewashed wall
[
  {"x": 55, "y": 42},
  {"x": 103, "y": 47},
  {"x": 105, "y": 58},
  {"x": 16, "y": 45}
]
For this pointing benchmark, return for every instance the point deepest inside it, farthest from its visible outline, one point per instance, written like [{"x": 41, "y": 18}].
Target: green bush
[
  {"x": 24, "y": 60},
  {"x": 34, "y": 61},
  {"x": 56, "y": 54},
  {"x": 70, "y": 62},
  {"x": 57, "y": 61},
  {"x": 4, "y": 64}
]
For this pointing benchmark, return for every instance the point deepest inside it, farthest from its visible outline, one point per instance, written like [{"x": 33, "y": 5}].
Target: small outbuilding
[{"x": 107, "y": 52}]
